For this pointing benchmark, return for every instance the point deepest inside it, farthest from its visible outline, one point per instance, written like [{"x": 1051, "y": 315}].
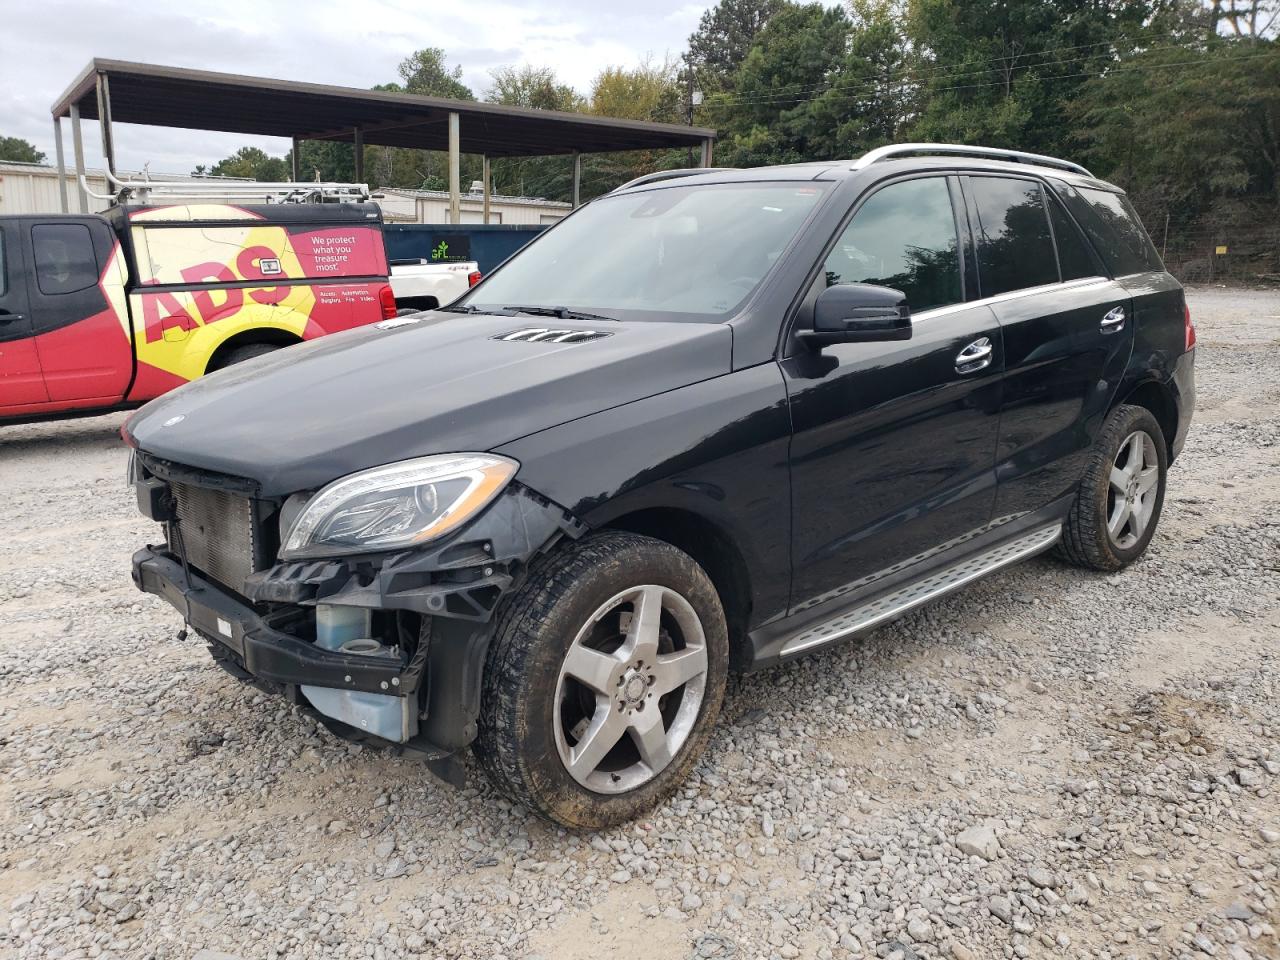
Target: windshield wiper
[
  {"x": 560, "y": 313},
  {"x": 467, "y": 308}
]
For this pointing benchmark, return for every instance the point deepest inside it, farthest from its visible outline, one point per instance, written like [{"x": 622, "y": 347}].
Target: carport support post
[
  {"x": 706, "y": 152},
  {"x": 577, "y": 179},
  {"x": 455, "y": 172},
  {"x": 77, "y": 148},
  {"x": 62, "y": 163},
  {"x": 486, "y": 174},
  {"x": 357, "y": 140},
  {"x": 104, "y": 125},
  {"x": 296, "y": 159}
]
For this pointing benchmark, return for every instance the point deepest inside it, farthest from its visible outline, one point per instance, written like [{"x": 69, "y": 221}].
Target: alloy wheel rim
[
  {"x": 1131, "y": 489},
  {"x": 630, "y": 689}
]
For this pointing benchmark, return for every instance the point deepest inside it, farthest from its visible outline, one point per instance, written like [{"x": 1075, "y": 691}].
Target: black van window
[
  {"x": 64, "y": 256},
  {"x": 1115, "y": 229},
  {"x": 1074, "y": 259},
  {"x": 1015, "y": 249},
  {"x": 904, "y": 237}
]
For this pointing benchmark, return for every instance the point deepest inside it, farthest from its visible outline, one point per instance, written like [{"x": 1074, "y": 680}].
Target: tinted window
[
  {"x": 903, "y": 237},
  {"x": 1114, "y": 227},
  {"x": 65, "y": 261},
  {"x": 678, "y": 252},
  {"x": 4, "y": 269},
  {"x": 1015, "y": 248},
  {"x": 1074, "y": 258}
]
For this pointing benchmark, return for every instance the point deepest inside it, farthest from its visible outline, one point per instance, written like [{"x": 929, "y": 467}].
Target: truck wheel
[
  {"x": 247, "y": 352},
  {"x": 1119, "y": 500},
  {"x": 603, "y": 681}
]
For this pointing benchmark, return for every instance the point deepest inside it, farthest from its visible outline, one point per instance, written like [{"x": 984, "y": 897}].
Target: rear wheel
[
  {"x": 247, "y": 352},
  {"x": 1121, "y": 495},
  {"x": 604, "y": 679}
]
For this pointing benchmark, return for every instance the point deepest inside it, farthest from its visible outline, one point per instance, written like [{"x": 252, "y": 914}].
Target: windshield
[{"x": 678, "y": 253}]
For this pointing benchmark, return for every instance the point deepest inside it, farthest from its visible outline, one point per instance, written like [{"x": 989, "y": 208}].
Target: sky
[{"x": 44, "y": 45}]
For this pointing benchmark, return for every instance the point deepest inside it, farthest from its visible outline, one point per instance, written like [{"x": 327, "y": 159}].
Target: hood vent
[{"x": 550, "y": 335}]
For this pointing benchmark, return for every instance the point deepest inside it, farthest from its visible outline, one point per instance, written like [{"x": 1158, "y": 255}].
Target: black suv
[{"x": 711, "y": 421}]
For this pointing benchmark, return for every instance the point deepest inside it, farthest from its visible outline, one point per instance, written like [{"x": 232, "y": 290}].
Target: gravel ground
[{"x": 1050, "y": 764}]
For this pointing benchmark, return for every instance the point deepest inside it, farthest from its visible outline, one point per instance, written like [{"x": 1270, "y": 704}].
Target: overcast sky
[{"x": 44, "y": 44}]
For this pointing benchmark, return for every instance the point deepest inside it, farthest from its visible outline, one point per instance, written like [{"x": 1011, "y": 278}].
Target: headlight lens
[{"x": 399, "y": 505}]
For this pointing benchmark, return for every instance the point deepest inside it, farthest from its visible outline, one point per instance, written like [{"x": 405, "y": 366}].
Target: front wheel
[
  {"x": 603, "y": 681},
  {"x": 1121, "y": 495}
]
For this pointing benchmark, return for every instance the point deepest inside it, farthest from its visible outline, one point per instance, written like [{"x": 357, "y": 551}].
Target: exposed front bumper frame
[{"x": 263, "y": 651}]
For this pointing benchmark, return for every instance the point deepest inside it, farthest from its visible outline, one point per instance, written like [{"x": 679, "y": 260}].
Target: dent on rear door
[{"x": 1065, "y": 362}]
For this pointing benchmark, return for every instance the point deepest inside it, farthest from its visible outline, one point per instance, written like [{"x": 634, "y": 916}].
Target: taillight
[
  {"x": 1190, "y": 327},
  {"x": 474, "y": 277},
  {"x": 387, "y": 300}
]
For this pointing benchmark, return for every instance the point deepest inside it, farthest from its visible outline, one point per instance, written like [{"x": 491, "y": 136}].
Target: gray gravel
[{"x": 1051, "y": 764}]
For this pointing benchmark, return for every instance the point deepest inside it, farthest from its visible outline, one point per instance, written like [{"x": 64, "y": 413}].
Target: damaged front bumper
[{"x": 432, "y": 610}]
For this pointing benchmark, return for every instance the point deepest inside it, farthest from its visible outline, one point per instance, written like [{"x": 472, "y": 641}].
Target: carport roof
[{"x": 161, "y": 96}]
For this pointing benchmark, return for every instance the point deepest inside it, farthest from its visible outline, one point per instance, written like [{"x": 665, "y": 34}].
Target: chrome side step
[{"x": 922, "y": 591}]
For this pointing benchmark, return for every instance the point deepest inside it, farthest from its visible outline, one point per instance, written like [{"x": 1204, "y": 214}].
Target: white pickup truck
[{"x": 422, "y": 285}]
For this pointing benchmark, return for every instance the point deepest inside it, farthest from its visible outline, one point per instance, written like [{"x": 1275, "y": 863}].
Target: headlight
[{"x": 399, "y": 505}]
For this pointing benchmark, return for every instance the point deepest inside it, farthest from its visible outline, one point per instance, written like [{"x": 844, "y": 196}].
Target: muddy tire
[
  {"x": 1120, "y": 498},
  {"x": 603, "y": 681}
]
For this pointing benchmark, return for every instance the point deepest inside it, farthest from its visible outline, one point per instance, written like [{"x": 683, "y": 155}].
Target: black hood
[{"x": 432, "y": 383}]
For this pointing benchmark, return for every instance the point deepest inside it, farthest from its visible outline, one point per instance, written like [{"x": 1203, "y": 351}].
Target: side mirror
[{"x": 858, "y": 313}]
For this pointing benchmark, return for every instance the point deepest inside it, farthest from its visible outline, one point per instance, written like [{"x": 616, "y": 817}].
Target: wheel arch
[
  {"x": 275, "y": 336},
  {"x": 1157, "y": 398},
  {"x": 714, "y": 550}
]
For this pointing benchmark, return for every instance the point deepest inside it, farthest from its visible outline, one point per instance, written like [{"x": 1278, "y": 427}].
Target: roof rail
[
  {"x": 148, "y": 191},
  {"x": 961, "y": 150},
  {"x": 668, "y": 175}
]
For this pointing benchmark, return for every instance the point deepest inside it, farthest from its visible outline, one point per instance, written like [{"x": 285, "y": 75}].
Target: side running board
[{"x": 922, "y": 591}]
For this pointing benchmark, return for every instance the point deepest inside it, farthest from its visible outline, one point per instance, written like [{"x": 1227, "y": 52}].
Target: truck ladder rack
[{"x": 251, "y": 191}]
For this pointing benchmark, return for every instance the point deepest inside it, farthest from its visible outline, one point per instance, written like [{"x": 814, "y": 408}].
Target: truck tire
[
  {"x": 247, "y": 352},
  {"x": 603, "y": 681},
  {"x": 1120, "y": 498}
]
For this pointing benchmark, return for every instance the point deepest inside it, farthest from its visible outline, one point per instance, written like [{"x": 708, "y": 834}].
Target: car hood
[{"x": 429, "y": 383}]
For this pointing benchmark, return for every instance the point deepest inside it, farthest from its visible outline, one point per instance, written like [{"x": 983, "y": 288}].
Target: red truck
[{"x": 103, "y": 312}]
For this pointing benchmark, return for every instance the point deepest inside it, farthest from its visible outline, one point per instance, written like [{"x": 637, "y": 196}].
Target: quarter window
[
  {"x": 1015, "y": 248},
  {"x": 64, "y": 257},
  {"x": 903, "y": 237},
  {"x": 1074, "y": 259}
]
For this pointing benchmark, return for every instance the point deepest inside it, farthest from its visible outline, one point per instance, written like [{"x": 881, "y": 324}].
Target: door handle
[
  {"x": 10, "y": 317},
  {"x": 976, "y": 356},
  {"x": 1113, "y": 319}
]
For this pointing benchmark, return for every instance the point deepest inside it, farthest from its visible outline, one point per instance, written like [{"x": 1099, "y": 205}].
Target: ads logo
[{"x": 269, "y": 266}]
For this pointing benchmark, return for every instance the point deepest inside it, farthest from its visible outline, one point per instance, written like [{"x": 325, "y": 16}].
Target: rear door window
[
  {"x": 64, "y": 257},
  {"x": 1113, "y": 226},
  {"x": 904, "y": 237},
  {"x": 1015, "y": 247}
]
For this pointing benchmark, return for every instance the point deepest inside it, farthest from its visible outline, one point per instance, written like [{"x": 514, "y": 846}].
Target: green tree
[
  {"x": 535, "y": 87},
  {"x": 19, "y": 150},
  {"x": 251, "y": 163},
  {"x": 427, "y": 72},
  {"x": 724, "y": 36},
  {"x": 1002, "y": 73}
]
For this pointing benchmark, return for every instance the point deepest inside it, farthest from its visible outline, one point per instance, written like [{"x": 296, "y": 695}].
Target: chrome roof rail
[
  {"x": 668, "y": 175},
  {"x": 960, "y": 150}
]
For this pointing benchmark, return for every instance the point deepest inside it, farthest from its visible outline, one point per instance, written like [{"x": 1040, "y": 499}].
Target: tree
[
  {"x": 645, "y": 92},
  {"x": 250, "y": 163},
  {"x": 18, "y": 150},
  {"x": 536, "y": 87},
  {"x": 427, "y": 72},
  {"x": 724, "y": 36}
]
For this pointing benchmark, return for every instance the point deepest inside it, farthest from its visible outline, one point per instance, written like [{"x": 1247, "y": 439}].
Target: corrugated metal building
[{"x": 401, "y": 205}]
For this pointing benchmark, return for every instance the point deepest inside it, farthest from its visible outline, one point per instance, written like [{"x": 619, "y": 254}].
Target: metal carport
[{"x": 116, "y": 91}]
